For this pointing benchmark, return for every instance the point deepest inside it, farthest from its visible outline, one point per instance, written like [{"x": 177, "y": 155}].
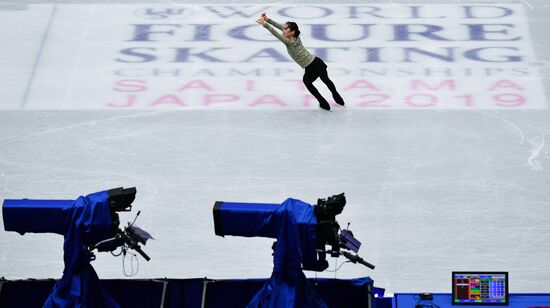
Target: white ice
[{"x": 429, "y": 190}]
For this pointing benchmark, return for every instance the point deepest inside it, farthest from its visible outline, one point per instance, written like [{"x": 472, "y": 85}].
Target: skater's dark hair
[{"x": 293, "y": 27}]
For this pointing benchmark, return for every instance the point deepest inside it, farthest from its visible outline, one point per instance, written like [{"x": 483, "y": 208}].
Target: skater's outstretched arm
[
  {"x": 265, "y": 22},
  {"x": 271, "y": 21},
  {"x": 274, "y": 23},
  {"x": 277, "y": 34}
]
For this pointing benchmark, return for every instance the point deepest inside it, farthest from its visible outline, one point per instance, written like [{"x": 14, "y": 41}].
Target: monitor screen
[{"x": 480, "y": 288}]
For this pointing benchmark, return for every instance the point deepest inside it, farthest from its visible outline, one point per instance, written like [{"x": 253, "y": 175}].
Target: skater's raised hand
[{"x": 263, "y": 17}]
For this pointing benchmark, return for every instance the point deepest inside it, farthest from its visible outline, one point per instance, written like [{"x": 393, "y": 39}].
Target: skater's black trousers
[{"x": 316, "y": 69}]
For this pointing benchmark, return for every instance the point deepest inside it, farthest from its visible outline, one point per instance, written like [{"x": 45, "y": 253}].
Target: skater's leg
[
  {"x": 308, "y": 82},
  {"x": 337, "y": 98}
]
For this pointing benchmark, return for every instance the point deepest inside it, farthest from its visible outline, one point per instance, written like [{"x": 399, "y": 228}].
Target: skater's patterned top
[{"x": 295, "y": 49}]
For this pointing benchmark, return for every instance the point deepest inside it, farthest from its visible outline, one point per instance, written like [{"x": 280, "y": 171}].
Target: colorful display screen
[{"x": 480, "y": 288}]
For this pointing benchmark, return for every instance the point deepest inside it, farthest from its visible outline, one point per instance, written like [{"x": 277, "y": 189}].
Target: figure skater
[{"x": 314, "y": 66}]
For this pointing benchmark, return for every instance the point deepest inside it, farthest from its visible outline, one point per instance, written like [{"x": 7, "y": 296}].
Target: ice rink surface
[{"x": 443, "y": 156}]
